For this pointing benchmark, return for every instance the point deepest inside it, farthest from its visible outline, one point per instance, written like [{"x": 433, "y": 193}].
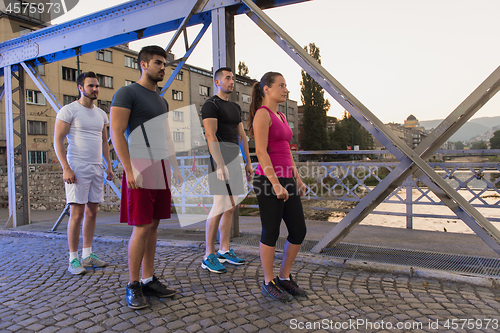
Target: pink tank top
[{"x": 278, "y": 146}]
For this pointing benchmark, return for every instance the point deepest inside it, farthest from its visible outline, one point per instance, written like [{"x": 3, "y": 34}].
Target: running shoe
[
  {"x": 134, "y": 296},
  {"x": 276, "y": 292},
  {"x": 213, "y": 264},
  {"x": 156, "y": 288},
  {"x": 230, "y": 257},
  {"x": 75, "y": 267},
  {"x": 93, "y": 261},
  {"x": 291, "y": 287}
]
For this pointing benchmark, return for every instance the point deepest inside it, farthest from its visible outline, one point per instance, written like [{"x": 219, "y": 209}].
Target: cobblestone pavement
[{"x": 37, "y": 294}]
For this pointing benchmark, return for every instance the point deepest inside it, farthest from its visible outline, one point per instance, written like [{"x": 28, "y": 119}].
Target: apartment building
[{"x": 115, "y": 67}]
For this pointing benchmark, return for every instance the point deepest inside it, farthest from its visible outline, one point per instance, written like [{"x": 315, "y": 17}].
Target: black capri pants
[{"x": 273, "y": 210}]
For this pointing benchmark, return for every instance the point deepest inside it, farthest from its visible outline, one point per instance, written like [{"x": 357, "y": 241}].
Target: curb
[{"x": 368, "y": 266}]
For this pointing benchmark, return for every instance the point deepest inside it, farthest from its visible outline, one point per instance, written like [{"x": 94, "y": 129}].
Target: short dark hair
[
  {"x": 218, "y": 73},
  {"x": 147, "y": 52},
  {"x": 81, "y": 78}
]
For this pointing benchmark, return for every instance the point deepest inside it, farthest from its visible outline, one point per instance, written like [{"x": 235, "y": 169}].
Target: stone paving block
[
  {"x": 159, "y": 330},
  {"x": 51, "y": 329},
  {"x": 95, "y": 329},
  {"x": 144, "y": 327},
  {"x": 176, "y": 325},
  {"x": 35, "y": 327}
]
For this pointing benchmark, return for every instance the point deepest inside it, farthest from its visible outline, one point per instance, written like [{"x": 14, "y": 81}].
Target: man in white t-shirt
[{"x": 84, "y": 125}]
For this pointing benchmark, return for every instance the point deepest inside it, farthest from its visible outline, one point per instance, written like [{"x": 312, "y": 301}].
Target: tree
[
  {"x": 349, "y": 132},
  {"x": 459, "y": 145},
  {"x": 315, "y": 108},
  {"x": 479, "y": 145},
  {"x": 242, "y": 69},
  {"x": 495, "y": 140}
]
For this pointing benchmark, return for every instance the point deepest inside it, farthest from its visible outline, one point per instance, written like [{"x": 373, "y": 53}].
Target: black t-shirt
[
  {"x": 228, "y": 115},
  {"x": 144, "y": 104}
]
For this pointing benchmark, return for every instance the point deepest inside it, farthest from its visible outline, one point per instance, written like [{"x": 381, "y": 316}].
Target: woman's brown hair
[{"x": 258, "y": 96}]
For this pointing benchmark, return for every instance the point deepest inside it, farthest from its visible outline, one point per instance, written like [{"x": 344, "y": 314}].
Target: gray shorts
[{"x": 89, "y": 186}]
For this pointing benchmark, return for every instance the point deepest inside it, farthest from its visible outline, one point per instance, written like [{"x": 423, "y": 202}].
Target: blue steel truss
[{"x": 139, "y": 19}]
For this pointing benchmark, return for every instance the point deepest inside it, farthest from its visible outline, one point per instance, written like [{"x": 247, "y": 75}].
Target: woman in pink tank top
[{"x": 277, "y": 185}]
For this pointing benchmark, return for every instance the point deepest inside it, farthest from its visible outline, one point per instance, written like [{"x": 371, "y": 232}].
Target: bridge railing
[{"x": 349, "y": 181}]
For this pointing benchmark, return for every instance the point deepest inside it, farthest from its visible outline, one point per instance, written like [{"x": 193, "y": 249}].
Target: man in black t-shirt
[{"x": 223, "y": 130}]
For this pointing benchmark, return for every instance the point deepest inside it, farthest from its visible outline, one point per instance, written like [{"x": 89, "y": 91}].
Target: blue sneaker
[
  {"x": 230, "y": 257},
  {"x": 213, "y": 264}
]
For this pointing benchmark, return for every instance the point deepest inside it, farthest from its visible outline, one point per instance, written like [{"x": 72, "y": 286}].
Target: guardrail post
[
  {"x": 183, "y": 190},
  {"x": 409, "y": 203}
]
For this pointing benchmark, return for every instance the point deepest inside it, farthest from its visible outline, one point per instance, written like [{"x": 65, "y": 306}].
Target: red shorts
[{"x": 141, "y": 206}]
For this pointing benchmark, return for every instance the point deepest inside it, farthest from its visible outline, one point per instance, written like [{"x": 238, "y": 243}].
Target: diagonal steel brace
[
  {"x": 363, "y": 115},
  {"x": 196, "y": 7}
]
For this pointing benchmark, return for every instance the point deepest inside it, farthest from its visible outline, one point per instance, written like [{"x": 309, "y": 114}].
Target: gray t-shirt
[
  {"x": 146, "y": 136},
  {"x": 85, "y": 132}
]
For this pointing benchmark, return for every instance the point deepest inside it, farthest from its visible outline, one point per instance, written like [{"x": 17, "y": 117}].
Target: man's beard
[
  {"x": 156, "y": 78},
  {"x": 89, "y": 96}
]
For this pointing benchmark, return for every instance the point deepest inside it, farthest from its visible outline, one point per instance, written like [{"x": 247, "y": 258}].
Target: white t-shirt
[{"x": 85, "y": 133}]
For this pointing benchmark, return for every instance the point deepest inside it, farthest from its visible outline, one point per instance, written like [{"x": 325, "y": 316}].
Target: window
[
  {"x": 237, "y": 96},
  {"x": 23, "y": 8},
  {"x": 245, "y": 115},
  {"x": 290, "y": 110},
  {"x": 104, "y": 105},
  {"x": 40, "y": 69},
  {"x": 128, "y": 82},
  {"x": 69, "y": 99},
  {"x": 177, "y": 95},
  {"x": 245, "y": 98},
  {"x": 34, "y": 97},
  {"x": 178, "y": 136},
  {"x": 291, "y": 124},
  {"x": 105, "y": 81},
  {"x": 37, "y": 127},
  {"x": 179, "y": 76},
  {"x": 69, "y": 74},
  {"x": 281, "y": 108},
  {"x": 204, "y": 91},
  {"x": 104, "y": 55},
  {"x": 131, "y": 62},
  {"x": 178, "y": 116},
  {"x": 24, "y": 30},
  {"x": 37, "y": 157}
]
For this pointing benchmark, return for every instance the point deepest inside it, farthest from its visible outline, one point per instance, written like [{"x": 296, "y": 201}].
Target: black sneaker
[
  {"x": 156, "y": 288},
  {"x": 134, "y": 296},
  {"x": 274, "y": 290},
  {"x": 291, "y": 286}
]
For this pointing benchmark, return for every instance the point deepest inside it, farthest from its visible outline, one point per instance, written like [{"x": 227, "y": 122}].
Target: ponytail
[
  {"x": 258, "y": 96},
  {"x": 256, "y": 103}
]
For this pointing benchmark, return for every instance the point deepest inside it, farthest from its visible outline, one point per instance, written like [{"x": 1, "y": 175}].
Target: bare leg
[
  {"x": 89, "y": 223},
  {"x": 225, "y": 229},
  {"x": 148, "y": 259},
  {"x": 74, "y": 223},
  {"x": 136, "y": 250},
  {"x": 267, "y": 259},
  {"x": 289, "y": 254},
  {"x": 212, "y": 225}
]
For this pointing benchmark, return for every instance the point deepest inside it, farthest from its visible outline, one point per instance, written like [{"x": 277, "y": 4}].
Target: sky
[{"x": 398, "y": 57}]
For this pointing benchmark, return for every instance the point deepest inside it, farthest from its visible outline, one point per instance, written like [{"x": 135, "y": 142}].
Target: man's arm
[
  {"x": 243, "y": 140},
  {"x": 118, "y": 120},
  {"x": 61, "y": 130},
  {"x": 210, "y": 125},
  {"x": 105, "y": 152}
]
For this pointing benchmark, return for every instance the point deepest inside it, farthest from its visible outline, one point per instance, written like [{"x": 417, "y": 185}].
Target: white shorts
[{"x": 89, "y": 185}]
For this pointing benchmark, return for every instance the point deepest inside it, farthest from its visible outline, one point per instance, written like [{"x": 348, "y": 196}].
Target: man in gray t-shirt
[
  {"x": 139, "y": 112},
  {"x": 84, "y": 125}
]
